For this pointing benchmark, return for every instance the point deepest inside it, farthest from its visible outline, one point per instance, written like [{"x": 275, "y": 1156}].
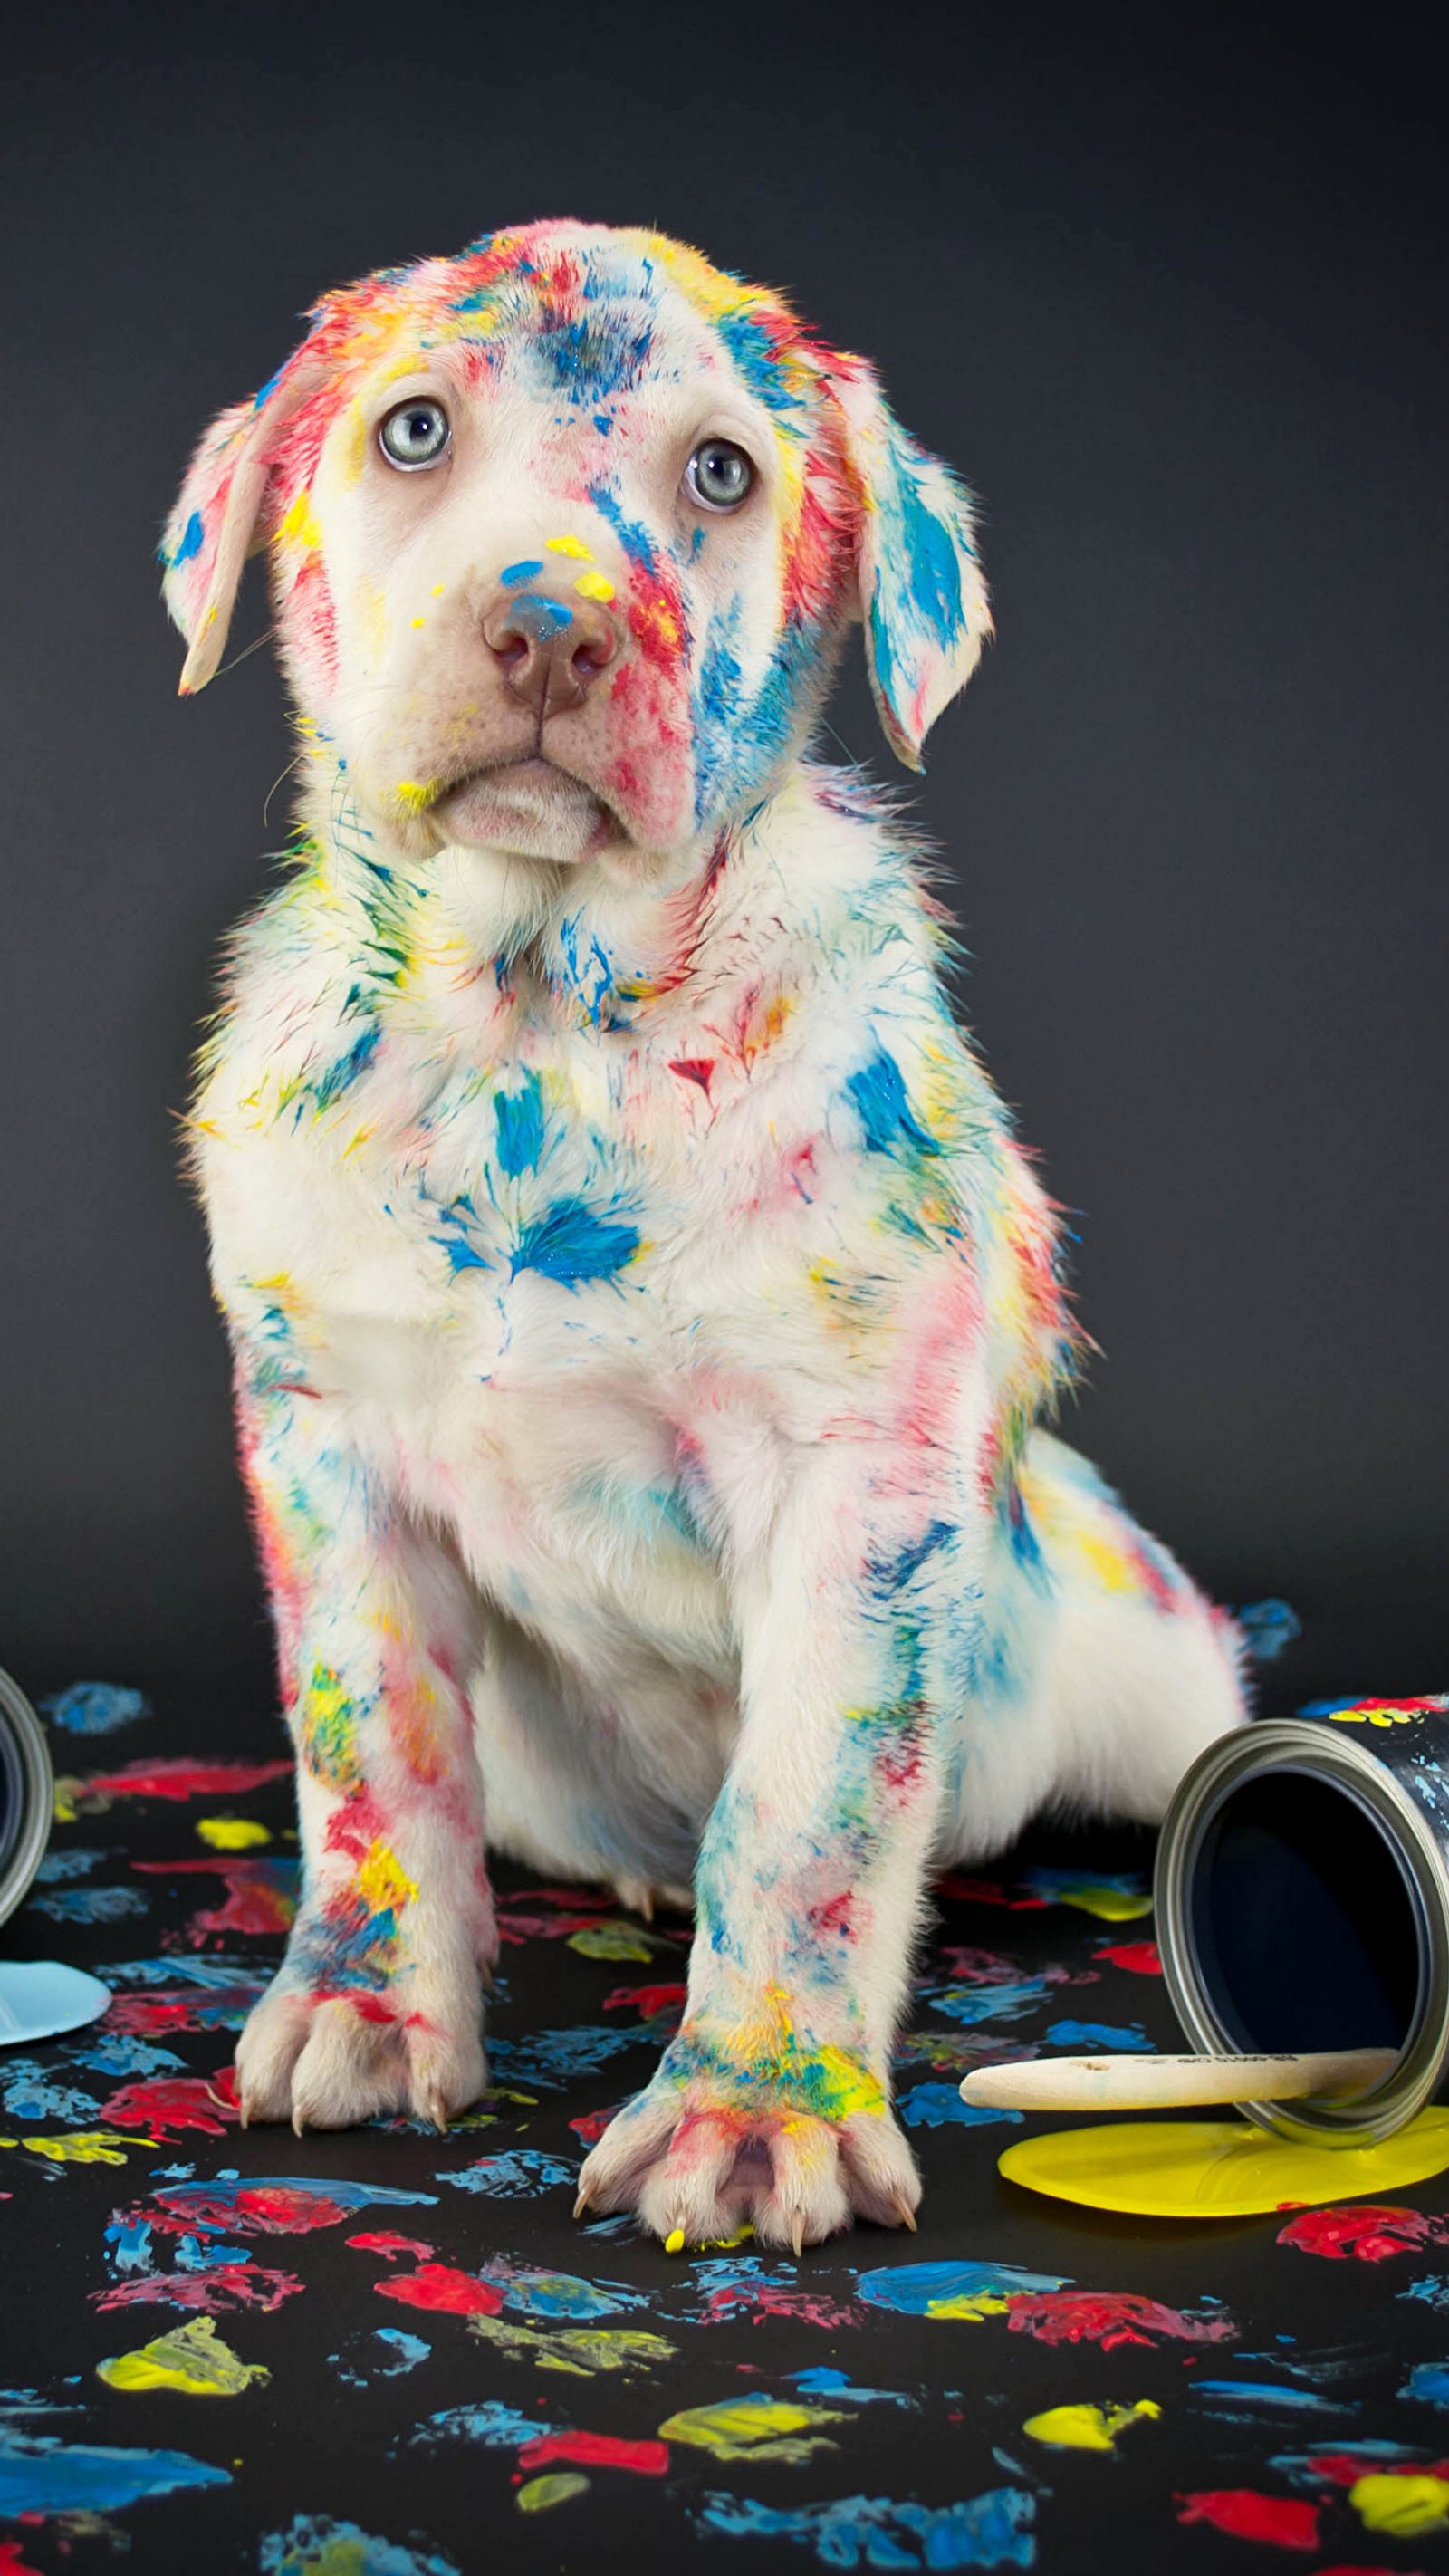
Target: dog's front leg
[
  {"x": 377, "y": 2005},
  {"x": 773, "y": 2102}
]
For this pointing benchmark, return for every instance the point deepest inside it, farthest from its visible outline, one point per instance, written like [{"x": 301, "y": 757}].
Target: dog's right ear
[{"x": 215, "y": 523}]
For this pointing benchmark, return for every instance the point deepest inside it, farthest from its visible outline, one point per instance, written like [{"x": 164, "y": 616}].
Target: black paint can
[
  {"x": 1302, "y": 1900},
  {"x": 26, "y": 1792}
]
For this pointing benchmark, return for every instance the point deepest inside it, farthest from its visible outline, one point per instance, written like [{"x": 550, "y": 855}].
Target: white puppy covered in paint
[{"x": 642, "y": 1313}]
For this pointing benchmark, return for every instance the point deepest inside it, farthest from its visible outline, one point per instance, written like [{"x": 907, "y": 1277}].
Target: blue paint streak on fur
[
  {"x": 572, "y": 1242},
  {"x": 514, "y": 573},
  {"x": 590, "y": 972},
  {"x": 891, "y": 1574},
  {"x": 539, "y": 615},
  {"x": 330, "y": 1086},
  {"x": 634, "y": 538},
  {"x": 749, "y": 343},
  {"x": 518, "y": 1116},
  {"x": 1268, "y": 1626},
  {"x": 190, "y": 541},
  {"x": 879, "y": 1095},
  {"x": 991, "y": 2530}
]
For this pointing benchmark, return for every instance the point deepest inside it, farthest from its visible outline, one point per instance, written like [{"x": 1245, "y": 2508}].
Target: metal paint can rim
[
  {"x": 26, "y": 1770},
  {"x": 1308, "y": 1746}
]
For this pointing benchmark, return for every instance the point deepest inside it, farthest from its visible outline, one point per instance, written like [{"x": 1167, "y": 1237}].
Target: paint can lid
[{"x": 26, "y": 1793}]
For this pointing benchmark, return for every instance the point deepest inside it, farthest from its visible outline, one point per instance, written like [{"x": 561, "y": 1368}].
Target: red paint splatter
[
  {"x": 590, "y": 2125},
  {"x": 566, "y": 1896},
  {"x": 259, "y": 1893},
  {"x": 516, "y": 1928},
  {"x": 180, "y": 1779},
  {"x": 645, "y": 2000},
  {"x": 695, "y": 1068},
  {"x": 385, "y": 2243},
  {"x": 1139, "y": 1958},
  {"x": 11, "y": 2562},
  {"x": 227, "y": 2285},
  {"x": 596, "y": 2451},
  {"x": 438, "y": 2286},
  {"x": 985, "y": 1891},
  {"x": 761, "y": 2299},
  {"x": 166, "y": 2102},
  {"x": 1363, "y": 2232},
  {"x": 1110, "y": 2318},
  {"x": 257, "y": 2209},
  {"x": 1284, "y": 2521}
]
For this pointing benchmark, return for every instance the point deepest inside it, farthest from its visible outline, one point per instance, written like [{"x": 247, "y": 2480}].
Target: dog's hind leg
[{"x": 1113, "y": 1671}]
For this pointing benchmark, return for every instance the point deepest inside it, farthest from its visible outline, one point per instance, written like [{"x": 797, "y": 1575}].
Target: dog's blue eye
[
  {"x": 417, "y": 433},
  {"x": 719, "y": 474}
]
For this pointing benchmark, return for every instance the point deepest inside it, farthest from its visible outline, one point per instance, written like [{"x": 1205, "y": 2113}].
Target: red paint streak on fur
[
  {"x": 694, "y": 1068},
  {"x": 166, "y": 2102},
  {"x": 438, "y": 2286},
  {"x": 356, "y": 1825},
  {"x": 834, "y": 1919},
  {"x": 1283, "y": 2521},
  {"x": 645, "y": 2000},
  {"x": 1110, "y": 2318},
  {"x": 182, "y": 1779},
  {"x": 229, "y": 2285},
  {"x": 596, "y": 2451},
  {"x": 384, "y": 2242},
  {"x": 1369, "y": 2234},
  {"x": 1139, "y": 1958}
]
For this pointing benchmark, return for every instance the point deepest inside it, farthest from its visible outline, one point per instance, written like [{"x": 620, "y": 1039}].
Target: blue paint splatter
[
  {"x": 590, "y": 973},
  {"x": 558, "y": 2058},
  {"x": 28, "y": 2091},
  {"x": 571, "y": 1242},
  {"x": 991, "y": 2530},
  {"x": 59, "y": 1866},
  {"x": 315, "y": 2540},
  {"x": 824, "y": 2382},
  {"x": 1428, "y": 2383},
  {"x": 1254, "y": 2401},
  {"x": 1099, "y": 2034},
  {"x": 540, "y": 616},
  {"x": 913, "y": 2289},
  {"x": 1269, "y": 1626},
  {"x": 98, "y": 1708},
  {"x": 498, "y": 2427},
  {"x": 118, "y": 2053},
  {"x": 563, "y": 2295},
  {"x": 190, "y": 541},
  {"x": 528, "y": 570},
  {"x": 39, "y": 2474},
  {"x": 90, "y": 1904},
  {"x": 939, "y": 2106},
  {"x": 519, "y": 2175},
  {"x": 1431, "y": 2290},
  {"x": 974, "y": 2005}
]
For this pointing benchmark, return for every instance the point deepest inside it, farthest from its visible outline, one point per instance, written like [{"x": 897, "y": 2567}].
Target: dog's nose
[{"x": 551, "y": 651}]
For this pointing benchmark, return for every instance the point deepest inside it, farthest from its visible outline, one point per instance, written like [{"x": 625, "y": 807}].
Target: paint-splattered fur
[{"x": 643, "y": 1315}]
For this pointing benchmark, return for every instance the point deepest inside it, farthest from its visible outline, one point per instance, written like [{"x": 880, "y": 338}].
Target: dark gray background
[{"x": 1166, "y": 288}]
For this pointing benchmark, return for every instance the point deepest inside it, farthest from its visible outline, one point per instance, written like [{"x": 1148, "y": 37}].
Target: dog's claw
[
  {"x": 437, "y": 2111},
  {"x": 585, "y": 2201},
  {"x": 487, "y": 1979},
  {"x": 797, "y": 2235},
  {"x": 299, "y": 2125},
  {"x": 903, "y": 2210}
]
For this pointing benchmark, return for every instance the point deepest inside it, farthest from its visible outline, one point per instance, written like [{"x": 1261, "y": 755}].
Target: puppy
[{"x": 642, "y": 1312}]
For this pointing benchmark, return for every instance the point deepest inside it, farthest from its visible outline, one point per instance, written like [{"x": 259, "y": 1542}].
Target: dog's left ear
[
  {"x": 215, "y": 522},
  {"x": 923, "y": 600}
]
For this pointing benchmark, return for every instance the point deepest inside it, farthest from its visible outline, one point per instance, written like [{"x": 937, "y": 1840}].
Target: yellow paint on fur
[
  {"x": 756, "y": 2427},
  {"x": 848, "y": 2085},
  {"x": 191, "y": 2359},
  {"x": 414, "y": 795},
  {"x": 299, "y": 528},
  {"x": 569, "y": 546},
  {"x": 1218, "y": 2168},
  {"x": 1087, "y": 2428},
  {"x": 383, "y": 1883},
  {"x": 592, "y": 585},
  {"x": 1403, "y": 2506},
  {"x": 540, "y": 2494},
  {"x": 232, "y": 1833}
]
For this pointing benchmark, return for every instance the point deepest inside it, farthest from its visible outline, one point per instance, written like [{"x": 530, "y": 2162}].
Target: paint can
[
  {"x": 26, "y": 1791},
  {"x": 1302, "y": 1900}
]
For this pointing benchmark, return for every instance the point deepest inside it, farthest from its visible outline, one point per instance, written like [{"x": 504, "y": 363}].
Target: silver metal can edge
[
  {"x": 39, "y": 1783},
  {"x": 1268, "y": 1744}
]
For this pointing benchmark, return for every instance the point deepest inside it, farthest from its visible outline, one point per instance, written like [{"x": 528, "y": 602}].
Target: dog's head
[{"x": 564, "y": 535}]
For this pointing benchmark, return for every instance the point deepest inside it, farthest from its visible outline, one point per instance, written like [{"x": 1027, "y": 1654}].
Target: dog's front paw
[
  {"x": 327, "y": 2056},
  {"x": 798, "y": 2143}
]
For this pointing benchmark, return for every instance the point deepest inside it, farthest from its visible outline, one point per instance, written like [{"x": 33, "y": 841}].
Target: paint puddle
[{"x": 1216, "y": 2168}]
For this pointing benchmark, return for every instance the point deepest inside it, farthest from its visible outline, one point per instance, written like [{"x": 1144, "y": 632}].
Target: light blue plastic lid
[{"x": 40, "y": 1997}]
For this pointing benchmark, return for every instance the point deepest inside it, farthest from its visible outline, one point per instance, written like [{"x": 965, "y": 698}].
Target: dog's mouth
[{"x": 529, "y": 807}]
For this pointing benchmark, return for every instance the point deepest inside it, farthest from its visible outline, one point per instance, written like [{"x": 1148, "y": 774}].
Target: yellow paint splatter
[
  {"x": 86, "y": 2146},
  {"x": 611, "y": 1940},
  {"x": 1372, "y": 1713},
  {"x": 383, "y": 1883},
  {"x": 1404, "y": 2506},
  {"x": 556, "y": 2488},
  {"x": 232, "y": 1833},
  {"x": 592, "y": 585},
  {"x": 756, "y": 2427},
  {"x": 582, "y": 2352},
  {"x": 674, "y": 2242},
  {"x": 569, "y": 546},
  {"x": 969, "y": 2309},
  {"x": 1109, "y": 1904},
  {"x": 414, "y": 795},
  {"x": 192, "y": 2359},
  {"x": 1087, "y": 2428}
]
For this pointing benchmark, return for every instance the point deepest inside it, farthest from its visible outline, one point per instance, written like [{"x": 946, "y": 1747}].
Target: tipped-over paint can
[
  {"x": 1302, "y": 1901},
  {"x": 25, "y": 1795}
]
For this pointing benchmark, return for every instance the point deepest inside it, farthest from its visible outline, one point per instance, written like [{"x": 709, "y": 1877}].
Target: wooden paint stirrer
[{"x": 1133, "y": 2083}]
